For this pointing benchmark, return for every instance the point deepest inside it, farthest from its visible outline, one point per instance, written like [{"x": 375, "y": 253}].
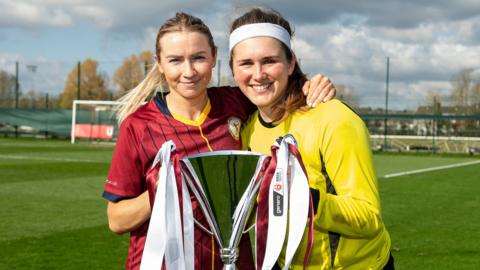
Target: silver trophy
[{"x": 225, "y": 184}]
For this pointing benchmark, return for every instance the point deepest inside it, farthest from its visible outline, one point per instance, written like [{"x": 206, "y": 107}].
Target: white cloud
[
  {"x": 421, "y": 58},
  {"x": 149, "y": 38},
  {"x": 7, "y": 61},
  {"x": 60, "y": 18},
  {"x": 391, "y": 13},
  {"x": 100, "y": 15},
  {"x": 32, "y": 15},
  {"x": 427, "y": 42},
  {"x": 106, "y": 14}
]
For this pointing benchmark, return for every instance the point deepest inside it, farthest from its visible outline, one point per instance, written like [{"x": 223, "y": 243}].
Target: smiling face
[
  {"x": 261, "y": 70},
  {"x": 186, "y": 60}
]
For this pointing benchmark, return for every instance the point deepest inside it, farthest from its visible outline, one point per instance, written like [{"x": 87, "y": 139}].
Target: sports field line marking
[
  {"x": 432, "y": 169},
  {"x": 49, "y": 159}
]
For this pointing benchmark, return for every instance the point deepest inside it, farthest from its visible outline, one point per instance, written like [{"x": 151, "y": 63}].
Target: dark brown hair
[{"x": 293, "y": 98}]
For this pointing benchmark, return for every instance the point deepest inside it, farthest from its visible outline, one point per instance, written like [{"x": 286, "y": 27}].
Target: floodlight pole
[
  {"x": 47, "y": 118},
  {"x": 79, "y": 65},
  {"x": 386, "y": 106},
  {"x": 17, "y": 85},
  {"x": 17, "y": 92}
]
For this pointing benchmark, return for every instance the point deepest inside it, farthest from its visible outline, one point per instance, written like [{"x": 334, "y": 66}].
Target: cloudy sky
[{"x": 427, "y": 41}]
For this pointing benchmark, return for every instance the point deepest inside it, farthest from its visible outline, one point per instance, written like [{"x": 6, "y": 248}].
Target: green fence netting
[{"x": 49, "y": 122}]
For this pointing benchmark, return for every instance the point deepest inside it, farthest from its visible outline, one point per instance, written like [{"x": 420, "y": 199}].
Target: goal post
[{"x": 94, "y": 120}]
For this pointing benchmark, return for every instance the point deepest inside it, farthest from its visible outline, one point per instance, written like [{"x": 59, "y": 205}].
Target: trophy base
[
  {"x": 229, "y": 256},
  {"x": 229, "y": 267}
]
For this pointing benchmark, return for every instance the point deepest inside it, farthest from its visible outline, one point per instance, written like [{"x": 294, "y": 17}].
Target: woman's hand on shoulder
[{"x": 318, "y": 89}]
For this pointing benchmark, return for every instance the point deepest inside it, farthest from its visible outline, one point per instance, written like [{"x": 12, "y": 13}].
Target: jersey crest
[{"x": 234, "y": 124}]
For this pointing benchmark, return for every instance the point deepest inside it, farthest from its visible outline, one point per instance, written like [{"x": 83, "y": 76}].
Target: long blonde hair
[{"x": 155, "y": 80}]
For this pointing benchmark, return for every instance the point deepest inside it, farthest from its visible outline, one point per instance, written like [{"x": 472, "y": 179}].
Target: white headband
[{"x": 259, "y": 30}]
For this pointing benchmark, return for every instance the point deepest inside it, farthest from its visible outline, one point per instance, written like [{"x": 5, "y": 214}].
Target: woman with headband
[
  {"x": 349, "y": 232},
  {"x": 197, "y": 118}
]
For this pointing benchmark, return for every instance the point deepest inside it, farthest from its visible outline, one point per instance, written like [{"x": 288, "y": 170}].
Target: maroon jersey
[{"x": 141, "y": 136}]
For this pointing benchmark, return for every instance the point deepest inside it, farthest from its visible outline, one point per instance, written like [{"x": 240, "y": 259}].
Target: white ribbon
[
  {"x": 298, "y": 206},
  {"x": 188, "y": 228},
  {"x": 174, "y": 256},
  {"x": 277, "y": 209},
  {"x": 290, "y": 184},
  {"x": 165, "y": 239}
]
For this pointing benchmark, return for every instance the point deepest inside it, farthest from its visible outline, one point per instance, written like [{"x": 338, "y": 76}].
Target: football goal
[{"x": 94, "y": 120}]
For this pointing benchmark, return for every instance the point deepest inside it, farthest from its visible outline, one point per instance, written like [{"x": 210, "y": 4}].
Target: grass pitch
[
  {"x": 432, "y": 217},
  {"x": 52, "y": 212},
  {"x": 53, "y": 216}
]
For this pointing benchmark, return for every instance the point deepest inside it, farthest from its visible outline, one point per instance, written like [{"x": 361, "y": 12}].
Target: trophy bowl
[{"x": 224, "y": 182}]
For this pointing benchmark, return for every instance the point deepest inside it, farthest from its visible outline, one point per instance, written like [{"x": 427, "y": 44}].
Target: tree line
[{"x": 86, "y": 81}]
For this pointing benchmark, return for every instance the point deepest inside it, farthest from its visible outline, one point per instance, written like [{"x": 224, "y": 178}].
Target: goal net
[{"x": 94, "y": 120}]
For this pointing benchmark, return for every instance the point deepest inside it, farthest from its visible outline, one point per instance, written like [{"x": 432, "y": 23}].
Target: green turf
[
  {"x": 87, "y": 248},
  {"x": 53, "y": 216},
  {"x": 394, "y": 163},
  {"x": 433, "y": 218}
]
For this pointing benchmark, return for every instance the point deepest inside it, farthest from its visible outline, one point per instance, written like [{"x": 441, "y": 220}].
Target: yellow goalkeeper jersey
[{"x": 334, "y": 145}]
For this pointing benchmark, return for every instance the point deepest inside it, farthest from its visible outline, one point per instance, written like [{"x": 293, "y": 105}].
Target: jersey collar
[
  {"x": 162, "y": 106},
  {"x": 265, "y": 123}
]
